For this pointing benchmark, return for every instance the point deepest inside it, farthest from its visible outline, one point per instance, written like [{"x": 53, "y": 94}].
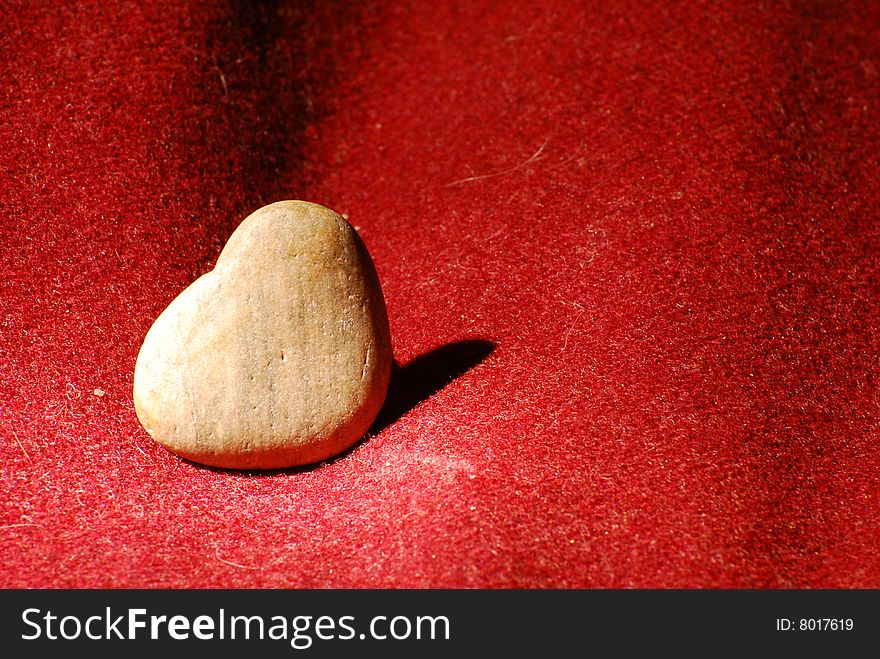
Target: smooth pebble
[{"x": 278, "y": 357}]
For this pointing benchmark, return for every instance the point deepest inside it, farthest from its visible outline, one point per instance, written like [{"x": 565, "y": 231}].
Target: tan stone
[{"x": 280, "y": 356}]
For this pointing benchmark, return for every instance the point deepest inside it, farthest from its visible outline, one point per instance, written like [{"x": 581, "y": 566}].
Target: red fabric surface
[{"x": 630, "y": 256}]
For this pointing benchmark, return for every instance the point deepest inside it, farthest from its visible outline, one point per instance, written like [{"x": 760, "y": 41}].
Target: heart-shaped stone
[{"x": 280, "y": 356}]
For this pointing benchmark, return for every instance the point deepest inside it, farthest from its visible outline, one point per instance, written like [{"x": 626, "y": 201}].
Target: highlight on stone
[{"x": 280, "y": 356}]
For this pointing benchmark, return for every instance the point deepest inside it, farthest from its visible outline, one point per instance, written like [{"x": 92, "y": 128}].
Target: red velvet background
[{"x": 635, "y": 242}]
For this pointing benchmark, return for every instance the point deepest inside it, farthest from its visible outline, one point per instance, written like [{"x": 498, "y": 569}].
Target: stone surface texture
[{"x": 278, "y": 357}]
